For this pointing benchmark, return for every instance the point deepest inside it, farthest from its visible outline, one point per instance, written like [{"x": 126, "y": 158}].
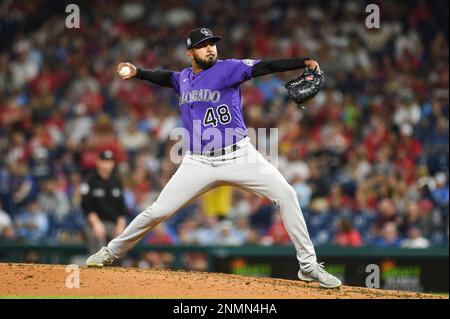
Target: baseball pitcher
[{"x": 218, "y": 150}]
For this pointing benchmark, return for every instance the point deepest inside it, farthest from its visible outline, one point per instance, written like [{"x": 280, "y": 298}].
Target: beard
[{"x": 207, "y": 62}]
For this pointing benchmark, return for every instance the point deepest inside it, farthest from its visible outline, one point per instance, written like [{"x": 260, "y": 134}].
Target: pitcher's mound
[{"x": 30, "y": 280}]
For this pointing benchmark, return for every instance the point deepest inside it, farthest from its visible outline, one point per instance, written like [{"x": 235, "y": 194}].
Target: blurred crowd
[{"x": 368, "y": 158}]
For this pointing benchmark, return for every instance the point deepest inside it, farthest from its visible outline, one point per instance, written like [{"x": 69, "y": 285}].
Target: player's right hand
[{"x": 132, "y": 68}]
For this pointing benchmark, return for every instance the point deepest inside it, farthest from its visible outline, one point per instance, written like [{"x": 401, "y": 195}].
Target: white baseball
[{"x": 125, "y": 71}]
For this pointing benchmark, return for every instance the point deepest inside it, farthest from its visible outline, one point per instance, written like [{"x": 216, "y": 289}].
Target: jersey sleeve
[
  {"x": 176, "y": 82},
  {"x": 238, "y": 71}
]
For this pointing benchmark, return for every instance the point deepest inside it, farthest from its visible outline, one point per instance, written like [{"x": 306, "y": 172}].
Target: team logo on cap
[
  {"x": 206, "y": 32},
  {"x": 188, "y": 42}
]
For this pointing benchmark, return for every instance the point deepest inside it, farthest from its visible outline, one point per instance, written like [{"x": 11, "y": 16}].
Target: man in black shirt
[{"x": 103, "y": 203}]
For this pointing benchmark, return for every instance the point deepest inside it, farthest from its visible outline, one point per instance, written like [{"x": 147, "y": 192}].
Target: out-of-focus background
[{"x": 369, "y": 158}]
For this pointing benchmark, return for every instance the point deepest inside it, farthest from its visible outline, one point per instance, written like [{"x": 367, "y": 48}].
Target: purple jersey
[{"x": 210, "y": 103}]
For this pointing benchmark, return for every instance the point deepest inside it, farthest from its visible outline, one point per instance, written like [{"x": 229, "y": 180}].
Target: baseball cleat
[
  {"x": 318, "y": 273},
  {"x": 101, "y": 258}
]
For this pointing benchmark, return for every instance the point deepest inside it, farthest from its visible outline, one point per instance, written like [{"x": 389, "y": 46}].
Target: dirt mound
[{"x": 29, "y": 280}]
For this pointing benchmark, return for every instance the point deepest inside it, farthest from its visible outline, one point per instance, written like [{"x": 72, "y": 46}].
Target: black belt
[{"x": 219, "y": 152}]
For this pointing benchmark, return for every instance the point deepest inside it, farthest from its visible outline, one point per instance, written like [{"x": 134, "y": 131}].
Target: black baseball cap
[
  {"x": 200, "y": 35},
  {"x": 106, "y": 155}
]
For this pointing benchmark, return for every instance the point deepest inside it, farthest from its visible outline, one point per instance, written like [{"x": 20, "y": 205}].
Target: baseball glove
[{"x": 305, "y": 86}]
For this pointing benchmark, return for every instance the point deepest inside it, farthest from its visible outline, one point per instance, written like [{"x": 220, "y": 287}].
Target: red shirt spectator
[
  {"x": 347, "y": 235},
  {"x": 378, "y": 136},
  {"x": 159, "y": 236},
  {"x": 278, "y": 232}
]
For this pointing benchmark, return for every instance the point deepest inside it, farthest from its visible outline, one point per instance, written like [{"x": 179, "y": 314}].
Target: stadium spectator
[
  {"x": 277, "y": 234},
  {"x": 160, "y": 236},
  {"x": 441, "y": 193},
  {"x": 347, "y": 235},
  {"x": 389, "y": 237},
  {"x": 303, "y": 190},
  {"x": 53, "y": 201},
  {"x": 32, "y": 223},
  {"x": 195, "y": 261},
  {"x": 386, "y": 214},
  {"x": 227, "y": 235},
  {"x": 208, "y": 231},
  {"x": 22, "y": 187},
  {"x": 133, "y": 139},
  {"x": 217, "y": 202},
  {"x": 411, "y": 218},
  {"x": 415, "y": 239},
  {"x": 6, "y": 225}
]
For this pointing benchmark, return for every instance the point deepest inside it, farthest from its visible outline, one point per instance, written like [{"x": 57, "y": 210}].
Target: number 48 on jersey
[{"x": 221, "y": 115}]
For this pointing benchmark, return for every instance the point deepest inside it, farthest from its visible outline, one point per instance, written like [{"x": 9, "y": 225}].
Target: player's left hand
[{"x": 305, "y": 86}]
